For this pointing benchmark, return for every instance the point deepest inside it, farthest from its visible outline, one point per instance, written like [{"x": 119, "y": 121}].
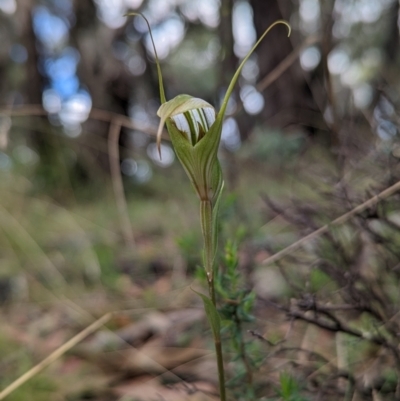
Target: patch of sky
[
  {"x": 75, "y": 110},
  {"x": 386, "y": 108},
  {"x": 386, "y": 130},
  {"x": 50, "y": 29},
  {"x": 167, "y": 35},
  {"x": 362, "y": 95},
  {"x": 143, "y": 173},
  {"x": 136, "y": 65},
  {"x": 205, "y": 11},
  {"x": 232, "y": 103},
  {"x": 160, "y": 8},
  {"x": 129, "y": 167},
  {"x": 133, "y": 3},
  {"x": 62, "y": 66},
  {"x": 366, "y": 11},
  {"x": 244, "y": 33},
  {"x": 230, "y": 135},
  {"x": 5, "y": 161},
  {"x": 139, "y": 114},
  {"x": 66, "y": 86},
  {"x": 359, "y": 71},
  {"x": 309, "y": 12},
  {"x": 251, "y": 70},
  {"x": 209, "y": 13},
  {"x": 168, "y": 155},
  {"x": 253, "y": 101},
  {"x": 140, "y": 24},
  {"x": 328, "y": 115},
  {"x": 51, "y": 100},
  {"x": 64, "y": 98},
  {"x": 310, "y": 58},
  {"x": 8, "y": 6},
  {"x": 338, "y": 61},
  {"x": 111, "y": 12},
  {"x": 383, "y": 115}
]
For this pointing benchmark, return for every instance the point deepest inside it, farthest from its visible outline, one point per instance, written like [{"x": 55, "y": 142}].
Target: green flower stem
[
  {"x": 206, "y": 218},
  {"x": 207, "y": 229},
  {"x": 220, "y": 364}
]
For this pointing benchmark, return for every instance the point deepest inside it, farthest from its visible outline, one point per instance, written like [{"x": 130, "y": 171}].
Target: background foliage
[{"x": 312, "y": 132}]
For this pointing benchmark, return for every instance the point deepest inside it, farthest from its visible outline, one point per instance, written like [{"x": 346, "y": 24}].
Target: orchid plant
[{"x": 195, "y": 131}]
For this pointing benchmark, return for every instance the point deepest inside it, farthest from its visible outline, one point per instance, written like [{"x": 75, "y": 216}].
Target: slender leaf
[{"x": 212, "y": 315}]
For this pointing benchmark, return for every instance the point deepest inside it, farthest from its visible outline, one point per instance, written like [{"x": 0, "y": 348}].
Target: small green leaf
[{"x": 212, "y": 315}]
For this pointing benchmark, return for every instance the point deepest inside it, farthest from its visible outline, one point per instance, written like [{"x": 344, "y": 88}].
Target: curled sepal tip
[
  {"x": 232, "y": 84},
  {"x": 159, "y": 74}
]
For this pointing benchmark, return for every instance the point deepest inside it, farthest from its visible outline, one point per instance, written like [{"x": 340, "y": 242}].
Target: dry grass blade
[
  {"x": 340, "y": 220},
  {"x": 28, "y": 244},
  {"x": 55, "y": 355},
  {"x": 118, "y": 186}
]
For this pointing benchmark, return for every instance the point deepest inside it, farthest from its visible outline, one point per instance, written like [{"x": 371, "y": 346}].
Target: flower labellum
[{"x": 195, "y": 123}]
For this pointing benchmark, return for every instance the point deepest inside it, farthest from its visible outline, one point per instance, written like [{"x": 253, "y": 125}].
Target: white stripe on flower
[{"x": 192, "y": 122}]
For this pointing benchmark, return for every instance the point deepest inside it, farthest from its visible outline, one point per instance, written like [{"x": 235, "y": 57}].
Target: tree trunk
[{"x": 288, "y": 100}]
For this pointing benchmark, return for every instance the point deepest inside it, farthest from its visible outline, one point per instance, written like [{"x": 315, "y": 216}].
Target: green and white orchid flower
[
  {"x": 189, "y": 120},
  {"x": 195, "y": 131}
]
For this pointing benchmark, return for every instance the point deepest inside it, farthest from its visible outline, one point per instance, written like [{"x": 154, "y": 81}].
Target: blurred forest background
[{"x": 92, "y": 221}]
